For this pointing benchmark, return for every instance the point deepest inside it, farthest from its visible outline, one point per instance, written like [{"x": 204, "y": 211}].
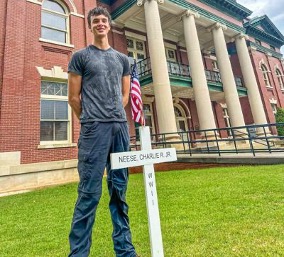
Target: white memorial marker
[{"x": 147, "y": 157}]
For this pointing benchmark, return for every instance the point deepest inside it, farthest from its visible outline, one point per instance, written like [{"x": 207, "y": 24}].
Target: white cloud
[{"x": 279, "y": 17}]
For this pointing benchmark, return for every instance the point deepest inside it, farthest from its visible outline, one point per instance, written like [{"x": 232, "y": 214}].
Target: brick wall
[
  {"x": 3, "y": 11},
  {"x": 13, "y": 76},
  {"x": 23, "y": 52},
  {"x": 266, "y": 93}
]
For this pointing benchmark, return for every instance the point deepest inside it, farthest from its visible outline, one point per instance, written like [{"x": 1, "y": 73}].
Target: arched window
[
  {"x": 181, "y": 120},
  {"x": 280, "y": 78},
  {"x": 265, "y": 75},
  {"x": 54, "y": 21}
]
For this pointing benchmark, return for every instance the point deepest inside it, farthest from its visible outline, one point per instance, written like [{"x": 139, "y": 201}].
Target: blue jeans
[{"x": 97, "y": 140}]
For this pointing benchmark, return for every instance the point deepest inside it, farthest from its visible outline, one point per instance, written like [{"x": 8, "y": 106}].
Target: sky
[{"x": 274, "y": 9}]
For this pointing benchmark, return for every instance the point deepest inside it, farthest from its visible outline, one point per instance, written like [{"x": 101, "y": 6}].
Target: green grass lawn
[{"x": 232, "y": 211}]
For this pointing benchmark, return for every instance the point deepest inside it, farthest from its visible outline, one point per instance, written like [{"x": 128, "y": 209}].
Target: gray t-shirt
[{"x": 101, "y": 71}]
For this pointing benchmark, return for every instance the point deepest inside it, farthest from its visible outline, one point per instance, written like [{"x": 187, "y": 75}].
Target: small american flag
[{"x": 136, "y": 99}]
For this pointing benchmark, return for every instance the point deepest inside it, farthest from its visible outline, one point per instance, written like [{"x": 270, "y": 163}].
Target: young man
[{"x": 99, "y": 84}]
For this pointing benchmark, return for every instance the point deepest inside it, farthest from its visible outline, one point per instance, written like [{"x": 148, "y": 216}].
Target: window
[
  {"x": 265, "y": 75},
  {"x": 227, "y": 119},
  {"x": 149, "y": 120},
  {"x": 215, "y": 65},
  {"x": 280, "y": 78},
  {"x": 171, "y": 55},
  {"x": 148, "y": 114},
  {"x": 136, "y": 49},
  {"x": 54, "y": 113},
  {"x": 180, "y": 118},
  {"x": 274, "y": 108},
  {"x": 257, "y": 42},
  {"x": 239, "y": 82},
  {"x": 54, "y": 20}
]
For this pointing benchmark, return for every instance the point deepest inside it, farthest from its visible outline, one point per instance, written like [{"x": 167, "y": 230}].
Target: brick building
[{"x": 203, "y": 65}]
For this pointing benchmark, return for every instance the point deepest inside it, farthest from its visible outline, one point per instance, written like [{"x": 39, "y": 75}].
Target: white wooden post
[{"x": 147, "y": 157}]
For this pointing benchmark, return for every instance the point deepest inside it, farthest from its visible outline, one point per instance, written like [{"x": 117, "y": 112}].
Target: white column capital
[
  {"x": 241, "y": 36},
  {"x": 216, "y": 25},
  {"x": 141, "y": 2},
  {"x": 188, "y": 13}
]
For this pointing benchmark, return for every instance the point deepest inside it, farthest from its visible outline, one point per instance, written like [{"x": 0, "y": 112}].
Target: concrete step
[
  {"x": 4, "y": 170},
  {"x": 10, "y": 158},
  {"x": 15, "y": 178}
]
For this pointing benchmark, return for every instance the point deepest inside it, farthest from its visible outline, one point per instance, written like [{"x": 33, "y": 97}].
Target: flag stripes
[{"x": 136, "y": 99}]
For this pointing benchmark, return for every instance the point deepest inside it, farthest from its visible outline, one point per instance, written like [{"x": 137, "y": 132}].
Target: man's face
[{"x": 100, "y": 25}]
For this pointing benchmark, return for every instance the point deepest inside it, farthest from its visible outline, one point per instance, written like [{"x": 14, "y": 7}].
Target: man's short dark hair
[{"x": 98, "y": 11}]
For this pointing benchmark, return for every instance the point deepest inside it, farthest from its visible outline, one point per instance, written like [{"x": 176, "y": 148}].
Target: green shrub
[{"x": 279, "y": 117}]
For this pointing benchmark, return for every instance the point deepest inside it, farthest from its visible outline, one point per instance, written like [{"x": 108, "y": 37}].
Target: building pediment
[{"x": 263, "y": 29}]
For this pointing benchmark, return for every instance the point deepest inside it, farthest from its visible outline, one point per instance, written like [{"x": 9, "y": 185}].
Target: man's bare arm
[
  {"x": 74, "y": 93},
  {"x": 125, "y": 89}
]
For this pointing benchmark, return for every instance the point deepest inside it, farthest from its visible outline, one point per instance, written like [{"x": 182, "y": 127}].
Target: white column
[
  {"x": 250, "y": 81},
  {"x": 161, "y": 80},
  {"x": 200, "y": 87},
  {"x": 227, "y": 76}
]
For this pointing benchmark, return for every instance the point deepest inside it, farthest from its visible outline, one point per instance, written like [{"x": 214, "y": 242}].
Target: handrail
[{"x": 217, "y": 141}]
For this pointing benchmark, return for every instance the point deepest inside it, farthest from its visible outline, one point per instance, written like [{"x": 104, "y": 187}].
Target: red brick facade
[{"x": 21, "y": 51}]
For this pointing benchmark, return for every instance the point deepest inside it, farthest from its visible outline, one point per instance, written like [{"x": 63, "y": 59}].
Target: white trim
[
  {"x": 184, "y": 106},
  {"x": 261, "y": 62},
  {"x": 168, "y": 45},
  {"x": 56, "y": 72},
  {"x": 213, "y": 57},
  {"x": 135, "y": 36},
  {"x": 117, "y": 31},
  {"x": 35, "y": 2},
  {"x": 273, "y": 101},
  {"x": 55, "y": 42},
  {"x": 149, "y": 99},
  {"x": 73, "y": 5},
  {"x": 77, "y": 14},
  {"x": 53, "y": 144}
]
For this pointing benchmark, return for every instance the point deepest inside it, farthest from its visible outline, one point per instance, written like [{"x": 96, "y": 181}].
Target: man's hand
[
  {"x": 74, "y": 93},
  {"x": 125, "y": 89}
]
